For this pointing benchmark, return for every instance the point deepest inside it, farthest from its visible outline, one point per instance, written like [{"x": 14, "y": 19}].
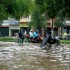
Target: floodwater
[{"x": 29, "y": 56}]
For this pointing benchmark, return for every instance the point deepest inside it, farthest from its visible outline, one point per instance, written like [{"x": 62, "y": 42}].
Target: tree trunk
[
  {"x": 52, "y": 29},
  {"x": 42, "y": 32}
]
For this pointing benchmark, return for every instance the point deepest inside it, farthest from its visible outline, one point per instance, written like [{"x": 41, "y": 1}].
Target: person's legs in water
[
  {"x": 22, "y": 40},
  {"x": 45, "y": 41},
  {"x": 31, "y": 39},
  {"x": 35, "y": 39}
]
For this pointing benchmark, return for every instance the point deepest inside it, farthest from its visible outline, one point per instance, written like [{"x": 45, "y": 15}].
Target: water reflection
[{"x": 32, "y": 57}]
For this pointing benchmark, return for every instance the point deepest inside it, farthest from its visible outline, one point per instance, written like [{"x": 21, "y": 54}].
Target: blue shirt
[{"x": 35, "y": 34}]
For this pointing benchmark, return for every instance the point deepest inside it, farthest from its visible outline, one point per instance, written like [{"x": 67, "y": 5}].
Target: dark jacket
[{"x": 21, "y": 35}]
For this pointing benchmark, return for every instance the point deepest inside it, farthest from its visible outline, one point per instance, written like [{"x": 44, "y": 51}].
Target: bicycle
[{"x": 50, "y": 42}]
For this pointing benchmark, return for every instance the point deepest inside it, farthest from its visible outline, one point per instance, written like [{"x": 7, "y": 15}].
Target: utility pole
[{"x": 52, "y": 29}]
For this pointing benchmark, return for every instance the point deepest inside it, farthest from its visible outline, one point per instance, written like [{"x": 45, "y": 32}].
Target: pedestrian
[
  {"x": 46, "y": 39},
  {"x": 25, "y": 32},
  {"x": 35, "y": 34},
  {"x": 64, "y": 35},
  {"x": 17, "y": 37},
  {"x": 31, "y": 34},
  {"x": 21, "y": 35}
]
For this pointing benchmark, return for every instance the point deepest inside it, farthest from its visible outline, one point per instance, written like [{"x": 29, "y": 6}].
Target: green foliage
[
  {"x": 40, "y": 5},
  {"x": 67, "y": 7},
  {"x": 38, "y": 20},
  {"x": 65, "y": 41},
  {"x": 14, "y": 8},
  {"x": 7, "y": 39},
  {"x": 22, "y": 8},
  {"x": 50, "y": 8},
  {"x": 3, "y": 14},
  {"x": 57, "y": 7},
  {"x": 35, "y": 8},
  {"x": 53, "y": 9},
  {"x": 58, "y": 22}
]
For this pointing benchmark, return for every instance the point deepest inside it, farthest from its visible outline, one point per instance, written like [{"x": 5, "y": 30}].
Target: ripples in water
[{"x": 32, "y": 57}]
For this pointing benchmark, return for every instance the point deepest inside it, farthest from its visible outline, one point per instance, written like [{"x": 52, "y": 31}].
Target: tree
[
  {"x": 14, "y": 8},
  {"x": 48, "y": 8},
  {"x": 51, "y": 11},
  {"x": 54, "y": 9},
  {"x": 38, "y": 18}
]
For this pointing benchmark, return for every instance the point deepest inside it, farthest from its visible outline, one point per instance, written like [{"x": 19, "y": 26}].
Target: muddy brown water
[{"x": 29, "y": 56}]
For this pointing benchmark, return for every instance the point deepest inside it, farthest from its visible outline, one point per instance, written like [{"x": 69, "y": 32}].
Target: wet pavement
[{"x": 29, "y": 56}]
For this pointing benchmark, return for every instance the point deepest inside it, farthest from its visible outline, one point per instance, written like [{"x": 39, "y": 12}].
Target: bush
[{"x": 8, "y": 39}]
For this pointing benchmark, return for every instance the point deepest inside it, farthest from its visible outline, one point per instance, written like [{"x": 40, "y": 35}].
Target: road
[{"x": 30, "y": 56}]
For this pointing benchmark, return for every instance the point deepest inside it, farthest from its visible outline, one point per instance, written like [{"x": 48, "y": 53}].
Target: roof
[
  {"x": 3, "y": 26},
  {"x": 67, "y": 22},
  {"x": 10, "y": 22},
  {"x": 24, "y": 20}
]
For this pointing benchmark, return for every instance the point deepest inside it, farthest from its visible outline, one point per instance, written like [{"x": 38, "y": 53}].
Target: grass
[
  {"x": 8, "y": 39},
  {"x": 65, "y": 41},
  {"x": 11, "y": 39}
]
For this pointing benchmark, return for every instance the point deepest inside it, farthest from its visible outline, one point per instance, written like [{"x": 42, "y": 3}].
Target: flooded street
[{"x": 29, "y": 56}]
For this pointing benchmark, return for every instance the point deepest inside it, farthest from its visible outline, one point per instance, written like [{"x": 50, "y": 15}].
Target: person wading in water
[{"x": 21, "y": 35}]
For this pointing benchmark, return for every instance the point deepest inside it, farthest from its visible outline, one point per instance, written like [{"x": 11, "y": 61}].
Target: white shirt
[{"x": 31, "y": 34}]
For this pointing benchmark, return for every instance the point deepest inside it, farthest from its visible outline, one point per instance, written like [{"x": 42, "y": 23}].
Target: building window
[{"x": 48, "y": 24}]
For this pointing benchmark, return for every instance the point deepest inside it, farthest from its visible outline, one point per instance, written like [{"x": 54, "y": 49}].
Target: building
[
  {"x": 23, "y": 23},
  {"x": 11, "y": 25},
  {"x": 67, "y": 26},
  {"x": 4, "y": 31},
  {"x": 50, "y": 25}
]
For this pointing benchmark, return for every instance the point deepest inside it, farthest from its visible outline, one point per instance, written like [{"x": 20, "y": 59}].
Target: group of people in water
[{"x": 32, "y": 35}]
